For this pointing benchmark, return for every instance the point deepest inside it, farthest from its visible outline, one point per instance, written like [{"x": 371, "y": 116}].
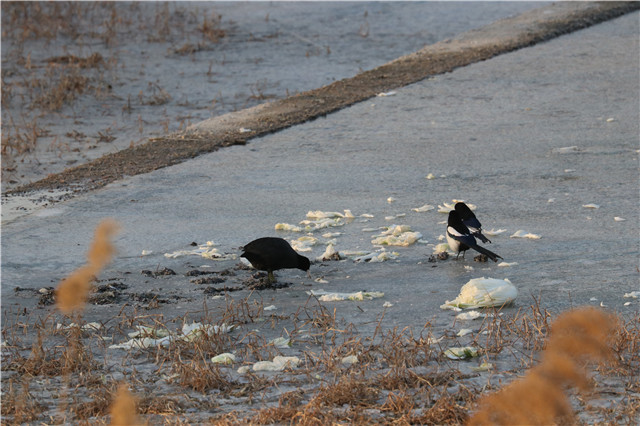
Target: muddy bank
[
  {"x": 237, "y": 128},
  {"x": 92, "y": 79}
]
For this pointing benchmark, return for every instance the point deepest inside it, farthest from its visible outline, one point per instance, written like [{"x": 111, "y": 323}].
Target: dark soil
[
  {"x": 439, "y": 58},
  {"x": 197, "y": 272},
  {"x": 160, "y": 273},
  {"x": 208, "y": 280},
  {"x": 112, "y": 291}
]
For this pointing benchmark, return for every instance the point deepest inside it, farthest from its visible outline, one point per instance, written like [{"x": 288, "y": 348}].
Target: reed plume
[
  {"x": 123, "y": 409},
  {"x": 73, "y": 291},
  {"x": 539, "y": 398}
]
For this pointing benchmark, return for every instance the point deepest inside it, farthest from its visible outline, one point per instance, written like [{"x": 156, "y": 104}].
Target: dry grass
[
  {"x": 626, "y": 347},
  {"x": 34, "y": 20},
  {"x": 211, "y": 28},
  {"x": 158, "y": 96},
  {"x": 159, "y": 404},
  {"x": 447, "y": 409},
  {"x": 426, "y": 398},
  {"x": 98, "y": 403},
  {"x": 348, "y": 390},
  {"x": 19, "y": 404},
  {"x": 61, "y": 87},
  {"x": 20, "y": 139},
  {"x": 72, "y": 357},
  {"x": 201, "y": 376},
  {"x": 40, "y": 88},
  {"x": 92, "y": 61}
]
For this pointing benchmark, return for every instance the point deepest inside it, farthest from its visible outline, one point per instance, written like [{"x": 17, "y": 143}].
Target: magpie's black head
[
  {"x": 463, "y": 210},
  {"x": 454, "y": 218},
  {"x": 456, "y": 222},
  {"x": 303, "y": 263}
]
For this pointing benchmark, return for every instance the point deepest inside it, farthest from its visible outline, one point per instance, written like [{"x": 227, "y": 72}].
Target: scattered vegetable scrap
[
  {"x": 279, "y": 363},
  {"x": 325, "y": 296},
  {"x": 446, "y": 207},
  {"x": 462, "y": 352},
  {"x": 397, "y": 235},
  {"x": 206, "y": 250},
  {"x": 483, "y": 293},
  {"x": 424, "y": 208},
  {"x": 524, "y": 234},
  {"x": 225, "y": 358},
  {"x": 148, "y": 337}
]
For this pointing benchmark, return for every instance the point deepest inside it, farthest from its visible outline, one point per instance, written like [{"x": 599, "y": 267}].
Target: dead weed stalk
[
  {"x": 19, "y": 404},
  {"x": 201, "y": 376}
]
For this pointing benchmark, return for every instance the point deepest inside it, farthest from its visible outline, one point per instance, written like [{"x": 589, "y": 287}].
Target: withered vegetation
[
  {"x": 41, "y": 91},
  {"x": 400, "y": 375}
]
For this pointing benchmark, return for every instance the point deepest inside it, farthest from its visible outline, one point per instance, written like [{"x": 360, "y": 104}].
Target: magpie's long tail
[
  {"x": 481, "y": 237},
  {"x": 491, "y": 255}
]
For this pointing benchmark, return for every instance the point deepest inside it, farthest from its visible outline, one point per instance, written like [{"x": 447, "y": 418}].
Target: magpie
[
  {"x": 271, "y": 253},
  {"x": 470, "y": 221},
  {"x": 460, "y": 238}
]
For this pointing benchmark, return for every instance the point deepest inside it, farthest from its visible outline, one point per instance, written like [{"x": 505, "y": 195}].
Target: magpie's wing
[
  {"x": 478, "y": 234},
  {"x": 472, "y": 222},
  {"x": 465, "y": 239},
  {"x": 476, "y": 228}
]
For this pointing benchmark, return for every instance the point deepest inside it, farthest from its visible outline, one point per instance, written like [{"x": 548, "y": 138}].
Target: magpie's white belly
[{"x": 454, "y": 245}]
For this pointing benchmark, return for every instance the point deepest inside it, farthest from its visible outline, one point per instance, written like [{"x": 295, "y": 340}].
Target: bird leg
[{"x": 270, "y": 277}]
